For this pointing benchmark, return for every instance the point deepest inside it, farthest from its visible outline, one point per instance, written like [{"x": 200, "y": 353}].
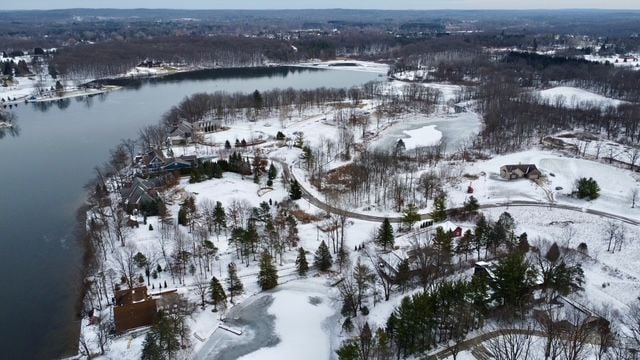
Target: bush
[
  {"x": 587, "y": 188},
  {"x": 583, "y": 248}
]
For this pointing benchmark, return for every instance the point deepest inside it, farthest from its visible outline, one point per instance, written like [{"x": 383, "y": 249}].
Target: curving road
[{"x": 288, "y": 176}]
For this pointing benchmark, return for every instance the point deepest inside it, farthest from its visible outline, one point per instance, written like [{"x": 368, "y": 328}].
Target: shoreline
[
  {"x": 87, "y": 251},
  {"x": 118, "y": 82}
]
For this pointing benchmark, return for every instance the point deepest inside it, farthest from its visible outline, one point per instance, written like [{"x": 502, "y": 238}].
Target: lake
[{"x": 44, "y": 169}]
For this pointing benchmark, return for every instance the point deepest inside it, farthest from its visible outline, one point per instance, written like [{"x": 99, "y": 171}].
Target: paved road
[{"x": 288, "y": 176}]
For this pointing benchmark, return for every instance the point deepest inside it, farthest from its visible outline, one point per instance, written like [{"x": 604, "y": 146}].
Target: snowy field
[
  {"x": 632, "y": 62},
  {"x": 575, "y": 97},
  {"x": 618, "y": 271},
  {"x": 560, "y": 176},
  {"x": 352, "y": 65}
]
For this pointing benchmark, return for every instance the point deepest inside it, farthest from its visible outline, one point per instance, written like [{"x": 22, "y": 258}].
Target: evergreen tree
[
  {"x": 442, "y": 243},
  {"x": 307, "y": 156},
  {"x": 234, "y": 285},
  {"x": 163, "y": 339},
  {"x": 514, "y": 281},
  {"x": 151, "y": 350},
  {"x": 218, "y": 296},
  {"x": 348, "y": 351},
  {"x": 227, "y": 145},
  {"x": 301, "y": 262},
  {"x": 400, "y": 148},
  {"x": 403, "y": 276},
  {"x": 219, "y": 217},
  {"x": 295, "y": 193},
  {"x": 411, "y": 216},
  {"x": 182, "y": 217},
  {"x": 587, "y": 188},
  {"x": 322, "y": 259},
  {"x": 553, "y": 254},
  {"x": 471, "y": 205},
  {"x": 257, "y": 100},
  {"x": 140, "y": 260},
  {"x": 268, "y": 275},
  {"x": 480, "y": 233},
  {"x": 251, "y": 238},
  {"x": 439, "y": 213},
  {"x": 292, "y": 230},
  {"x": 273, "y": 172},
  {"x": 385, "y": 237}
]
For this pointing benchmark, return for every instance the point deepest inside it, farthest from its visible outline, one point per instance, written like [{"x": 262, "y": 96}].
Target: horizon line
[{"x": 333, "y": 8}]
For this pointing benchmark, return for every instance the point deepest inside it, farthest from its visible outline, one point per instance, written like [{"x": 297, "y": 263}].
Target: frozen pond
[{"x": 454, "y": 129}]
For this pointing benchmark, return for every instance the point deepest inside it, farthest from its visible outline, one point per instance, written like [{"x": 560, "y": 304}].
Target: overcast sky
[{"x": 305, "y": 4}]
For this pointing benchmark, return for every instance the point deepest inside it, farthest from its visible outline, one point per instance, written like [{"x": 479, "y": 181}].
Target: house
[
  {"x": 485, "y": 268},
  {"x": 154, "y": 160},
  {"x": 133, "y": 308},
  {"x": 139, "y": 192},
  {"x": 520, "y": 171},
  {"x": 176, "y": 164},
  {"x": 181, "y": 134}
]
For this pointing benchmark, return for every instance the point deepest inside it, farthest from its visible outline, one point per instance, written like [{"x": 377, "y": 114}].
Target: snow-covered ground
[
  {"x": 424, "y": 136},
  {"x": 300, "y": 315},
  {"x": 575, "y": 97},
  {"x": 352, "y": 65},
  {"x": 612, "y": 278},
  {"x": 632, "y": 62},
  {"x": 560, "y": 175},
  {"x": 304, "y": 309}
]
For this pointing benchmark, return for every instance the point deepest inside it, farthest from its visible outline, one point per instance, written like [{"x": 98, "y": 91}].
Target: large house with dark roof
[
  {"x": 133, "y": 308},
  {"x": 520, "y": 171},
  {"x": 139, "y": 192}
]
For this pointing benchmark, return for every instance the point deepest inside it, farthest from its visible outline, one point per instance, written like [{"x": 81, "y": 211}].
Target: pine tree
[
  {"x": 471, "y": 205},
  {"x": 151, "y": 350},
  {"x": 442, "y": 243},
  {"x": 163, "y": 340},
  {"x": 227, "y": 145},
  {"x": 272, "y": 173},
  {"x": 411, "y": 216},
  {"x": 400, "y": 147},
  {"x": 587, "y": 188},
  {"x": 404, "y": 275},
  {"x": 348, "y": 351},
  {"x": 385, "y": 236},
  {"x": 268, "y": 275},
  {"x": 295, "y": 193},
  {"x": 234, "y": 285},
  {"x": 514, "y": 280},
  {"x": 182, "y": 217},
  {"x": 439, "y": 213},
  {"x": 218, "y": 296},
  {"x": 322, "y": 259},
  {"x": 219, "y": 217},
  {"x": 292, "y": 230},
  {"x": 301, "y": 262}
]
